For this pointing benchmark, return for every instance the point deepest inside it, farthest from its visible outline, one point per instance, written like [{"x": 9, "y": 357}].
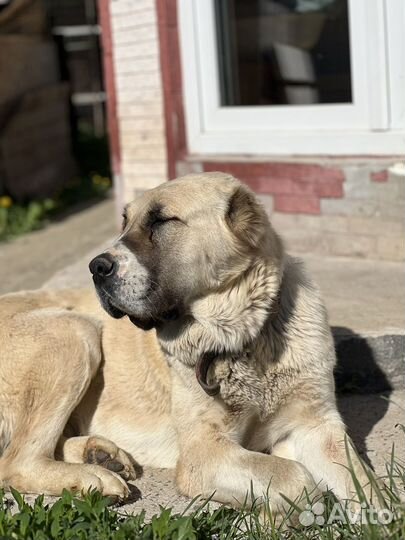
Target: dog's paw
[
  {"x": 100, "y": 451},
  {"x": 110, "y": 484}
]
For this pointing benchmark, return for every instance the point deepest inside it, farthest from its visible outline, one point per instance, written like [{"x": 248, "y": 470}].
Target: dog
[{"x": 206, "y": 349}]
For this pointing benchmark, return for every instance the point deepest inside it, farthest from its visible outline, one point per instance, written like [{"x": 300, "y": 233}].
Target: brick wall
[
  {"x": 336, "y": 207},
  {"x": 139, "y": 95},
  {"x": 368, "y": 220}
]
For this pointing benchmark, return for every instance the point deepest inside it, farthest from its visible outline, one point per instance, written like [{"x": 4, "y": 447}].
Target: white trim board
[{"x": 373, "y": 124}]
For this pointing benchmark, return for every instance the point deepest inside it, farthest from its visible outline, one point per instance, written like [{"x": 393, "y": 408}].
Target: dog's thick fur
[{"x": 198, "y": 264}]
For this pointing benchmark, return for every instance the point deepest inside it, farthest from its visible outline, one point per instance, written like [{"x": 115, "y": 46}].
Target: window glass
[{"x": 283, "y": 52}]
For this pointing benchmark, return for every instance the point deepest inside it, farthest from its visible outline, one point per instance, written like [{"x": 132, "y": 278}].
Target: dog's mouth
[
  {"x": 109, "y": 305},
  {"x": 111, "y": 309},
  {"x": 118, "y": 313},
  {"x": 144, "y": 323}
]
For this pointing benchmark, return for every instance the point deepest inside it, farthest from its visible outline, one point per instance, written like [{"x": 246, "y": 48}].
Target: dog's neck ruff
[
  {"x": 207, "y": 359},
  {"x": 224, "y": 323}
]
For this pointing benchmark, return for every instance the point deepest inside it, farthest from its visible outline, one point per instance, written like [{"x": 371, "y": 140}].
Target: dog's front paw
[{"x": 100, "y": 451}]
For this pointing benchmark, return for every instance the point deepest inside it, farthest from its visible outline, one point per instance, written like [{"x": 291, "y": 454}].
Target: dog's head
[{"x": 180, "y": 242}]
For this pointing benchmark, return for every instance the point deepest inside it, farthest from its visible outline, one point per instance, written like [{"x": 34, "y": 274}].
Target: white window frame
[{"x": 373, "y": 124}]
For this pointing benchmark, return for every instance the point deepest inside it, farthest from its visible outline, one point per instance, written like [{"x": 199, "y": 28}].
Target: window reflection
[{"x": 278, "y": 52}]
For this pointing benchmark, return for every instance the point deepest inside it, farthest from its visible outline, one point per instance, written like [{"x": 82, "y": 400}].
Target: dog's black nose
[{"x": 102, "y": 266}]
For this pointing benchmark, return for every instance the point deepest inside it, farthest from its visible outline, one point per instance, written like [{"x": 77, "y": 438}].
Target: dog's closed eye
[
  {"x": 124, "y": 221},
  {"x": 161, "y": 220}
]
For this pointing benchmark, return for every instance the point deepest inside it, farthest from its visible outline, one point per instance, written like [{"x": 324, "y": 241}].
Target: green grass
[
  {"x": 17, "y": 219},
  {"x": 91, "y": 517}
]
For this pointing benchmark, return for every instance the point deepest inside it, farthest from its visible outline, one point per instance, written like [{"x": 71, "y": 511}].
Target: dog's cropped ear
[{"x": 245, "y": 217}]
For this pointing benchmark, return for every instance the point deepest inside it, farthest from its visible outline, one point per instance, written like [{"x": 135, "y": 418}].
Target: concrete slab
[
  {"x": 28, "y": 261},
  {"x": 366, "y": 306},
  {"x": 363, "y": 295}
]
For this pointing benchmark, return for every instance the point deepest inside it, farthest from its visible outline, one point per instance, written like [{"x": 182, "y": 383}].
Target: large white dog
[{"x": 214, "y": 357}]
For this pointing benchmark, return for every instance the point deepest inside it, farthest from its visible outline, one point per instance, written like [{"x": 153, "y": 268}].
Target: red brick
[
  {"x": 171, "y": 12},
  {"x": 180, "y": 130},
  {"x": 172, "y": 82},
  {"x": 109, "y": 81},
  {"x": 326, "y": 184},
  {"x": 286, "y": 186},
  {"x": 297, "y": 171},
  {"x": 174, "y": 59},
  {"x": 297, "y": 204},
  {"x": 330, "y": 189},
  {"x": 166, "y": 74},
  {"x": 104, "y": 14},
  {"x": 380, "y": 176}
]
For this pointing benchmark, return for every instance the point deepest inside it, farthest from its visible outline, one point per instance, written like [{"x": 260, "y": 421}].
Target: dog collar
[
  {"x": 204, "y": 362},
  {"x": 201, "y": 372}
]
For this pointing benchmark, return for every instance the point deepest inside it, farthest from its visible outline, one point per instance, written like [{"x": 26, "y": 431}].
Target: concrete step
[{"x": 366, "y": 305}]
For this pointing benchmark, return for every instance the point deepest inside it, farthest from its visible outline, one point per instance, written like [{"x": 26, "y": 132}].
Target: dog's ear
[{"x": 245, "y": 217}]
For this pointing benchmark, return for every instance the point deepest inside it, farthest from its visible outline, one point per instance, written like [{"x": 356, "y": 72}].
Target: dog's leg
[
  {"x": 46, "y": 369},
  {"x": 320, "y": 442},
  {"x": 98, "y": 451},
  {"x": 210, "y": 464}
]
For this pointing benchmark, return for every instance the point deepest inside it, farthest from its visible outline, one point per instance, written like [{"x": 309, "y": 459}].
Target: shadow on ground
[{"x": 358, "y": 372}]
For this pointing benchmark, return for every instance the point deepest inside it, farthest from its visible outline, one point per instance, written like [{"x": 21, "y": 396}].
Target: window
[
  {"x": 283, "y": 52},
  {"x": 294, "y": 76}
]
